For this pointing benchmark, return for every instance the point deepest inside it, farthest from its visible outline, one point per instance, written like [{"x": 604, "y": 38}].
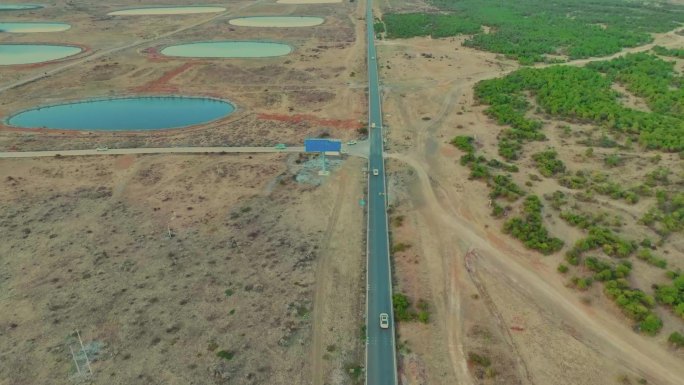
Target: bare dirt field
[
  {"x": 501, "y": 314},
  {"x": 320, "y": 81},
  {"x": 225, "y": 269},
  {"x": 161, "y": 262}
]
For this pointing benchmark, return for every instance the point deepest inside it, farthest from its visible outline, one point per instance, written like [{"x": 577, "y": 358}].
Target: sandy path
[
  {"x": 598, "y": 329},
  {"x": 668, "y": 39},
  {"x": 324, "y": 288}
]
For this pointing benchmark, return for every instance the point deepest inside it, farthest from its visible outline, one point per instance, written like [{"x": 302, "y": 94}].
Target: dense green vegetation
[
  {"x": 403, "y": 311},
  {"x": 378, "y": 27},
  {"x": 530, "y": 229},
  {"x": 674, "y": 52},
  {"x": 585, "y": 221},
  {"x": 635, "y": 304},
  {"x": 504, "y": 187},
  {"x": 547, "y": 163},
  {"x": 672, "y": 295},
  {"x": 405, "y": 25},
  {"x": 601, "y": 238},
  {"x": 649, "y": 77},
  {"x": 676, "y": 339},
  {"x": 668, "y": 214},
  {"x": 531, "y": 30},
  {"x": 584, "y": 95},
  {"x": 647, "y": 256}
]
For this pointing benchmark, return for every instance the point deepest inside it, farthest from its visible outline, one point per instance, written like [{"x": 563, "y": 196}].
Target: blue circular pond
[
  {"x": 13, "y": 54},
  {"x": 124, "y": 114},
  {"x": 19, "y": 7},
  {"x": 31, "y": 27}
]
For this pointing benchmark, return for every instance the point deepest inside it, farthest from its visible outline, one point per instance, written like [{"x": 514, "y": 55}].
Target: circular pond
[
  {"x": 11, "y": 54},
  {"x": 29, "y": 27},
  {"x": 185, "y": 10},
  {"x": 277, "y": 21},
  {"x": 228, "y": 49},
  {"x": 124, "y": 114},
  {"x": 18, "y": 7}
]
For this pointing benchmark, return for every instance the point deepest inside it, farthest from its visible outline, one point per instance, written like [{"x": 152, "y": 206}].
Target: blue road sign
[{"x": 322, "y": 145}]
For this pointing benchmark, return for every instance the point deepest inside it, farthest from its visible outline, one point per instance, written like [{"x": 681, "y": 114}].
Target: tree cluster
[
  {"x": 537, "y": 30},
  {"x": 647, "y": 256},
  {"x": 672, "y": 295},
  {"x": 601, "y": 238},
  {"x": 403, "y": 311},
  {"x": 584, "y": 95},
  {"x": 585, "y": 221},
  {"x": 649, "y": 77},
  {"x": 668, "y": 214},
  {"x": 406, "y": 25},
  {"x": 673, "y": 52},
  {"x": 530, "y": 229},
  {"x": 635, "y": 304},
  {"x": 547, "y": 163}
]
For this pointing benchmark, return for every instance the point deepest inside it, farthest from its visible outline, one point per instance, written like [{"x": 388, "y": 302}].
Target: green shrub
[
  {"x": 225, "y": 354},
  {"x": 547, "y": 163},
  {"x": 464, "y": 143},
  {"x": 530, "y": 228},
  {"x": 676, "y": 339},
  {"x": 479, "y": 359},
  {"x": 504, "y": 187},
  {"x": 400, "y": 247},
  {"x": 648, "y": 257},
  {"x": 423, "y": 311},
  {"x": 402, "y": 308},
  {"x": 651, "y": 325},
  {"x": 672, "y": 295}
]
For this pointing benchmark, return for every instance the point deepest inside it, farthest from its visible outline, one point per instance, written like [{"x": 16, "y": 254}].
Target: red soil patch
[
  {"x": 153, "y": 54},
  {"x": 161, "y": 84},
  {"x": 349, "y": 124},
  {"x": 124, "y": 162}
]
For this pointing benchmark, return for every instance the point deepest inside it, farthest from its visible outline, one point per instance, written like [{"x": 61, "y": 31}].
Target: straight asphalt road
[{"x": 381, "y": 364}]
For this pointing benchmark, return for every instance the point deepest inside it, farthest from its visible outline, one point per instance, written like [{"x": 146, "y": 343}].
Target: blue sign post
[{"x": 322, "y": 146}]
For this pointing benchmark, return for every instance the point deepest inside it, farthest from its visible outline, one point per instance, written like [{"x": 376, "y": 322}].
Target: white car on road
[
  {"x": 384, "y": 320},
  {"x": 376, "y": 172}
]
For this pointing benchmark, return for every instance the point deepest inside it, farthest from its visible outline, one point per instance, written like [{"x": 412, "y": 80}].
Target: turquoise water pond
[
  {"x": 11, "y": 54},
  {"x": 18, "y": 7},
  {"x": 29, "y": 27},
  {"x": 228, "y": 49},
  {"x": 125, "y": 114}
]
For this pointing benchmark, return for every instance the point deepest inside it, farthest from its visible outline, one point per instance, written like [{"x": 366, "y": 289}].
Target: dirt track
[
  {"x": 451, "y": 227},
  {"x": 597, "y": 330}
]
